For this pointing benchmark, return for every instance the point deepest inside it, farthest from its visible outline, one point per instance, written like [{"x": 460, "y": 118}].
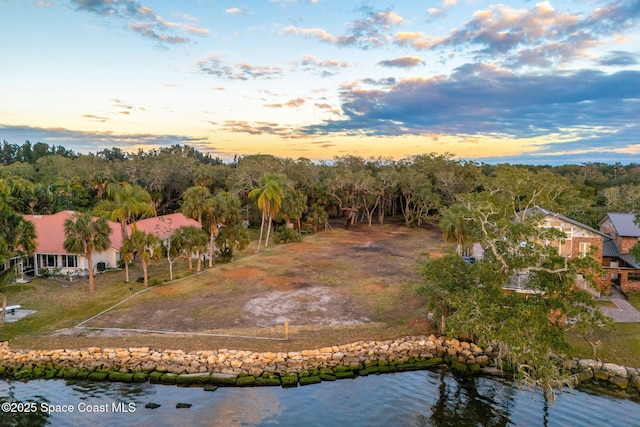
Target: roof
[
  {"x": 546, "y": 212},
  {"x": 610, "y": 248},
  {"x": 163, "y": 226},
  {"x": 50, "y": 232},
  {"x": 630, "y": 260},
  {"x": 624, "y": 224}
]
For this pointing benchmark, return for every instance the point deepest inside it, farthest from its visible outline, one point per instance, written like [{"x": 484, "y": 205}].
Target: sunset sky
[{"x": 547, "y": 82}]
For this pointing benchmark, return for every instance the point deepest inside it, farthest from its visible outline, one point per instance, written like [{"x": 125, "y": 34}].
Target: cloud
[
  {"x": 619, "y": 58},
  {"x": 368, "y": 32},
  {"x": 142, "y": 19},
  {"x": 403, "y": 62},
  {"x": 484, "y": 100},
  {"x": 292, "y": 103},
  {"x": 323, "y": 67},
  {"x": 126, "y": 108},
  {"x": 540, "y": 36},
  {"x": 261, "y": 128},
  {"x": 236, "y": 11},
  {"x": 87, "y": 141},
  {"x": 294, "y": 1},
  {"x": 95, "y": 118},
  {"x": 435, "y": 13},
  {"x": 214, "y": 66}
]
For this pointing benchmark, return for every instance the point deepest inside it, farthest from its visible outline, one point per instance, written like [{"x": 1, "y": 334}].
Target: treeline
[{"x": 43, "y": 179}]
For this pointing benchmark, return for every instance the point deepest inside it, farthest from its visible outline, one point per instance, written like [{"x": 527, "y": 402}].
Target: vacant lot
[{"x": 334, "y": 287}]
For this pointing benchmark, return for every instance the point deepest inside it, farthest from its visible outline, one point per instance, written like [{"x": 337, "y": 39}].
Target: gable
[{"x": 623, "y": 223}]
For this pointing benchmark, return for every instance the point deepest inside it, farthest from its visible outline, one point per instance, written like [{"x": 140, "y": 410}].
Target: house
[
  {"x": 163, "y": 226},
  {"x": 580, "y": 240},
  {"x": 51, "y": 257},
  {"x": 622, "y": 268}
]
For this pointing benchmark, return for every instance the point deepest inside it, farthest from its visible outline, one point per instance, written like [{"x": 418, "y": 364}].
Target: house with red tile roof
[
  {"x": 51, "y": 257},
  {"x": 163, "y": 226}
]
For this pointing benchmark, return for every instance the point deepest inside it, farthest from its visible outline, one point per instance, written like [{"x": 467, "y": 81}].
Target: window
[
  {"x": 48, "y": 260},
  {"x": 584, "y": 248},
  {"x": 70, "y": 261},
  {"x": 634, "y": 277}
]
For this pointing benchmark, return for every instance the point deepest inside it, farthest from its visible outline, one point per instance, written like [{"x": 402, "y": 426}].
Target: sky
[{"x": 548, "y": 82}]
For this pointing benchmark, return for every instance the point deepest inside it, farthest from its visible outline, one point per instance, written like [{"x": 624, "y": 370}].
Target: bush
[{"x": 284, "y": 234}]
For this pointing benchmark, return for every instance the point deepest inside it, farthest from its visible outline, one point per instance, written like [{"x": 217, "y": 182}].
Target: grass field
[{"x": 335, "y": 287}]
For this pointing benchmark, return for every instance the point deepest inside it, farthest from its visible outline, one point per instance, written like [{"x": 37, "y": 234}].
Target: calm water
[{"x": 422, "y": 398}]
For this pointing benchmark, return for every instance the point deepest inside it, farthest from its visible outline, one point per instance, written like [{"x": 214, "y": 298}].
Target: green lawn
[
  {"x": 620, "y": 346},
  {"x": 634, "y": 300}
]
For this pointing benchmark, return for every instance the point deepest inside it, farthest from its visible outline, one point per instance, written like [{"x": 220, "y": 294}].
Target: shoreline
[{"x": 224, "y": 367}]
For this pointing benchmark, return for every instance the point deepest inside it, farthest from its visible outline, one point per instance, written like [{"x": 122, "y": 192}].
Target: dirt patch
[
  {"x": 315, "y": 305},
  {"x": 375, "y": 287},
  {"x": 165, "y": 290},
  {"x": 245, "y": 273}
]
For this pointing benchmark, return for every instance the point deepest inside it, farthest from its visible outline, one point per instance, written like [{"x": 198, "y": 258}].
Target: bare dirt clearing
[{"x": 338, "y": 283}]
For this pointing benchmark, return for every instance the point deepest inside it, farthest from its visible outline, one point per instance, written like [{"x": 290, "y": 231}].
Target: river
[{"x": 420, "y": 398}]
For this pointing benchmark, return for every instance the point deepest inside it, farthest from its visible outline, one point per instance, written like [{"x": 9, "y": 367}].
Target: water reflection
[
  {"x": 423, "y": 398},
  {"x": 18, "y": 413},
  {"x": 460, "y": 403}
]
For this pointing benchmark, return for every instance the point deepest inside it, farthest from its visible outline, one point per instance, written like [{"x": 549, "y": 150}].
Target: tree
[
  {"x": 174, "y": 247},
  {"x": 220, "y": 211},
  {"x": 194, "y": 201},
  {"x": 416, "y": 188},
  {"x": 516, "y": 244},
  {"x": 232, "y": 233},
  {"x": 446, "y": 279},
  {"x": 294, "y": 203},
  {"x": 269, "y": 197},
  {"x": 194, "y": 241},
  {"x": 17, "y": 238},
  {"x": 84, "y": 235},
  {"x": 455, "y": 227},
  {"x": 145, "y": 247},
  {"x": 125, "y": 203}
]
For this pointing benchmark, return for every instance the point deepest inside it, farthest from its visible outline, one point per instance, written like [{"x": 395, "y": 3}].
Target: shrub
[{"x": 284, "y": 234}]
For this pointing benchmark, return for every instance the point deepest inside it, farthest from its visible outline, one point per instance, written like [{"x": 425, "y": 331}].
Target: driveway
[{"x": 624, "y": 313}]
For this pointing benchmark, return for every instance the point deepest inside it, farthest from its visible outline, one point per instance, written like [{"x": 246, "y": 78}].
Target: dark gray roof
[
  {"x": 630, "y": 260},
  {"x": 610, "y": 249},
  {"x": 624, "y": 225}
]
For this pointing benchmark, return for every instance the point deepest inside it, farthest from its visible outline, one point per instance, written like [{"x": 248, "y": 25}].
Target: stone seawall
[{"x": 212, "y": 368}]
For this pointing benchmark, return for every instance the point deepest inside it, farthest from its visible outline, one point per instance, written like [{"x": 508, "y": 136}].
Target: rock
[
  {"x": 617, "y": 370},
  {"x": 589, "y": 363},
  {"x": 621, "y": 382}
]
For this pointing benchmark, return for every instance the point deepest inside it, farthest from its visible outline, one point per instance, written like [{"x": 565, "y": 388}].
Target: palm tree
[
  {"x": 456, "y": 226},
  {"x": 194, "y": 240},
  {"x": 193, "y": 202},
  {"x": 220, "y": 211},
  {"x": 145, "y": 247},
  {"x": 85, "y": 235},
  {"x": 269, "y": 197},
  {"x": 294, "y": 203},
  {"x": 17, "y": 238},
  {"x": 126, "y": 203}
]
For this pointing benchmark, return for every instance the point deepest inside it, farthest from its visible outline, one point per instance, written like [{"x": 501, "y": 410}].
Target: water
[{"x": 421, "y": 398}]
